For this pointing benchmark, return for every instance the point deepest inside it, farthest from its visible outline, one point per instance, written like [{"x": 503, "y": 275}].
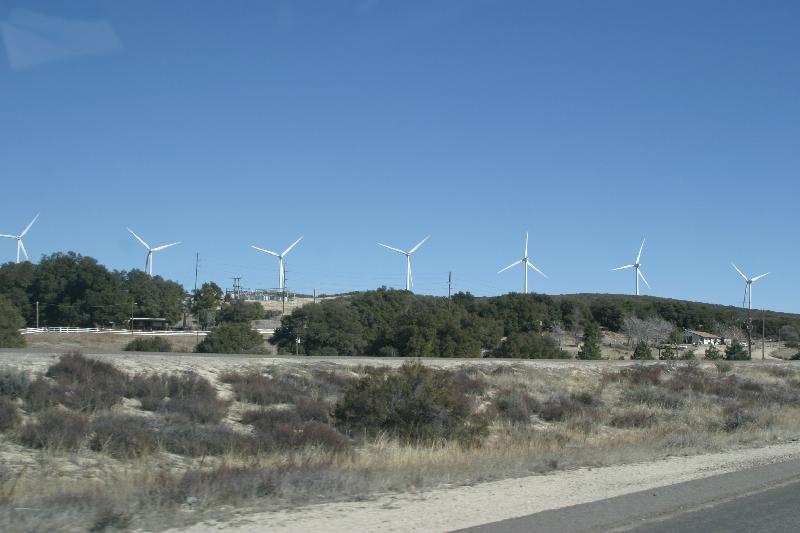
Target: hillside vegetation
[{"x": 398, "y": 323}]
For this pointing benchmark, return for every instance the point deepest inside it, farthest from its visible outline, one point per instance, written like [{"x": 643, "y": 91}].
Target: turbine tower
[
  {"x": 20, "y": 244},
  {"x": 148, "y": 266},
  {"x": 748, "y": 287},
  {"x": 281, "y": 263},
  {"x": 528, "y": 264},
  {"x": 636, "y": 265},
  {"x": 409, "y": 279}
]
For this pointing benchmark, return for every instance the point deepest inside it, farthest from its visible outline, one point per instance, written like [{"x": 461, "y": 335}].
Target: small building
[
  {"x": 701, "y": 337},
  {"x": 148, "y": 324}
]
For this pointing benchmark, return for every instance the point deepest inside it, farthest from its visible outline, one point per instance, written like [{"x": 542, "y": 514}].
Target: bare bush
[
  {"x": 9, "y": 414},
  {"x": 55, "y": 428},
  {"x": 123, "y": 436}
]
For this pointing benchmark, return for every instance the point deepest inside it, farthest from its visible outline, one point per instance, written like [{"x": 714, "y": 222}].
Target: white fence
[{"x": 103, "y": 331}]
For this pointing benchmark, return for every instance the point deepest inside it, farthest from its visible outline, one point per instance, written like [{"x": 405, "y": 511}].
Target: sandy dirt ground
[{"x": 446, "y": 509}]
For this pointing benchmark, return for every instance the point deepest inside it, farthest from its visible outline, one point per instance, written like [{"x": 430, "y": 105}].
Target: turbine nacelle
[{"x": 748, "y": 285}]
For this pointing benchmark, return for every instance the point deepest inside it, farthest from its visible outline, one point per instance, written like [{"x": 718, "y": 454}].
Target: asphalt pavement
[{"x": 762, "y": 499}]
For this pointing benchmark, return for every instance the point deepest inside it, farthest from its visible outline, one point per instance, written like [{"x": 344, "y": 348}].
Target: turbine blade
[
  {"x": 623, "y": 267},
  {"x": 24, "y": 251},
  {"x": 9, "y": 236},
  {"x": 515, "y": 263},
  {"x": 761, "y": 276},
  {"x": 270, "y": 252},
  {"x": 139, "y": 239},
  {"x": 398, "y": 250},
  {"x": 420, "y": 243},
  {"x": 29, "y": 227},
  {"x": 639, "y": 255},
  {"x": 158, "y": 248},
  {"x": 289, "y": 249},
  {"x": 639, "y": 272},
  {"x": 526, "y": 244},
  {"x": 536, "y": 269},
  {"x": 740, "y": 272}
]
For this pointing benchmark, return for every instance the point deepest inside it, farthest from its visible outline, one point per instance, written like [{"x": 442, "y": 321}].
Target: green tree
[
  {"x": 713, "y": 353},
  {"x": 736, "y": 352},
  {"x": 529, "y": 346},
  {"x": 591, "y": 341},
  {"x": 642, "y": 351},
  {"x": 205, "y": 303},
  {"x": 10, "y": 323},
  {"x": 232, "y": 337},
  {"x": 240, "y": 311}
]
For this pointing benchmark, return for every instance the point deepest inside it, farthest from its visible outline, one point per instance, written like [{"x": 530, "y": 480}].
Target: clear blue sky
[{"x": 589, "y": 124}]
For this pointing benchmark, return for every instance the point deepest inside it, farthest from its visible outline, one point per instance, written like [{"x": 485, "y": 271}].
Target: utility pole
[
  {"x": 315, "y": 295},
  {"x": 450, "y": 283},
  {"x": 196, "y": 268},
  {"x": 283, "y": 294},
  {"x": 37, "y": 315},
  {"x": 763, "y": 329}
]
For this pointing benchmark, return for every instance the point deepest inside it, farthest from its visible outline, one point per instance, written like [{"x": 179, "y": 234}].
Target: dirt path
[{"x": 447, "y": 509}]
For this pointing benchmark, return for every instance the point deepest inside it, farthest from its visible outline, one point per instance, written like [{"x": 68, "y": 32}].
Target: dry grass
[{"x": 140, "y": 464}]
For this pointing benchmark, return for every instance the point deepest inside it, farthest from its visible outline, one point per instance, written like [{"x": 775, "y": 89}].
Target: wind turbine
[
  {"x": 20, "y": 244},
  {"x": 148, "y": 266},
  {"x": 525, "y": 261},
  {"x": 748, "y": 287},
  {"x": 409, "y": 279},
  {"x": 637, "y": 265},
  {"x": 281, "y": 262}
]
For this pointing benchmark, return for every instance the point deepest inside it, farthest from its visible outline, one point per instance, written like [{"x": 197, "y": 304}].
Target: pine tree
[{"x": 591, "y": 342}]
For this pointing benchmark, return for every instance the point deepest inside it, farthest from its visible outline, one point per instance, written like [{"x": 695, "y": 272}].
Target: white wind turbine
[
  {"x": 20, "y": 244},
  {"x": 409, "y": 279},
  {"x": 748, "y": 287},
  {"x": 148, "y": 266},
  {"x": 636, "y": 265},
  {"x": 281, "y": 262},
  {"x": 525, "y": 261}
]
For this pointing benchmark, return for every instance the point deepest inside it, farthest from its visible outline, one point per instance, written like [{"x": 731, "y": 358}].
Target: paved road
[{"x": 763, "y": 499}]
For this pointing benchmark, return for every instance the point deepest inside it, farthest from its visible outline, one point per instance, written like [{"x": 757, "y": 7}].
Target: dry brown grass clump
[{"x": 55, "y": 428}]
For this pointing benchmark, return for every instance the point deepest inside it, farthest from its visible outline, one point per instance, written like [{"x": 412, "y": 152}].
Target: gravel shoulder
[{"x": 447, "y": 509}]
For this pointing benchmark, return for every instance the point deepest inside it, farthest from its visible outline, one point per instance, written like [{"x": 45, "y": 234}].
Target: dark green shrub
[
  {"x": 414, "y": 403},
  {"x": 668, "y": 353},
  {"x": 55, "y": 428},
  {"x": 13, "y": 383},
  {"x": 148, "y": 344},
  {"x": 123, "y": 436},
  {"x": 233, "y": 337},
  {"x": 43, "y": 393},
  {"x": 642, "y": 351},
  {"x": 9, "y": 415},
  {"x": 286, "y": 429}
]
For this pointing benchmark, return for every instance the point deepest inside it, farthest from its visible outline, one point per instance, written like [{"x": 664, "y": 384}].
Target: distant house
[
  {"x": 701, "y": 337},
  {"x": 148, "y": 324}
]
